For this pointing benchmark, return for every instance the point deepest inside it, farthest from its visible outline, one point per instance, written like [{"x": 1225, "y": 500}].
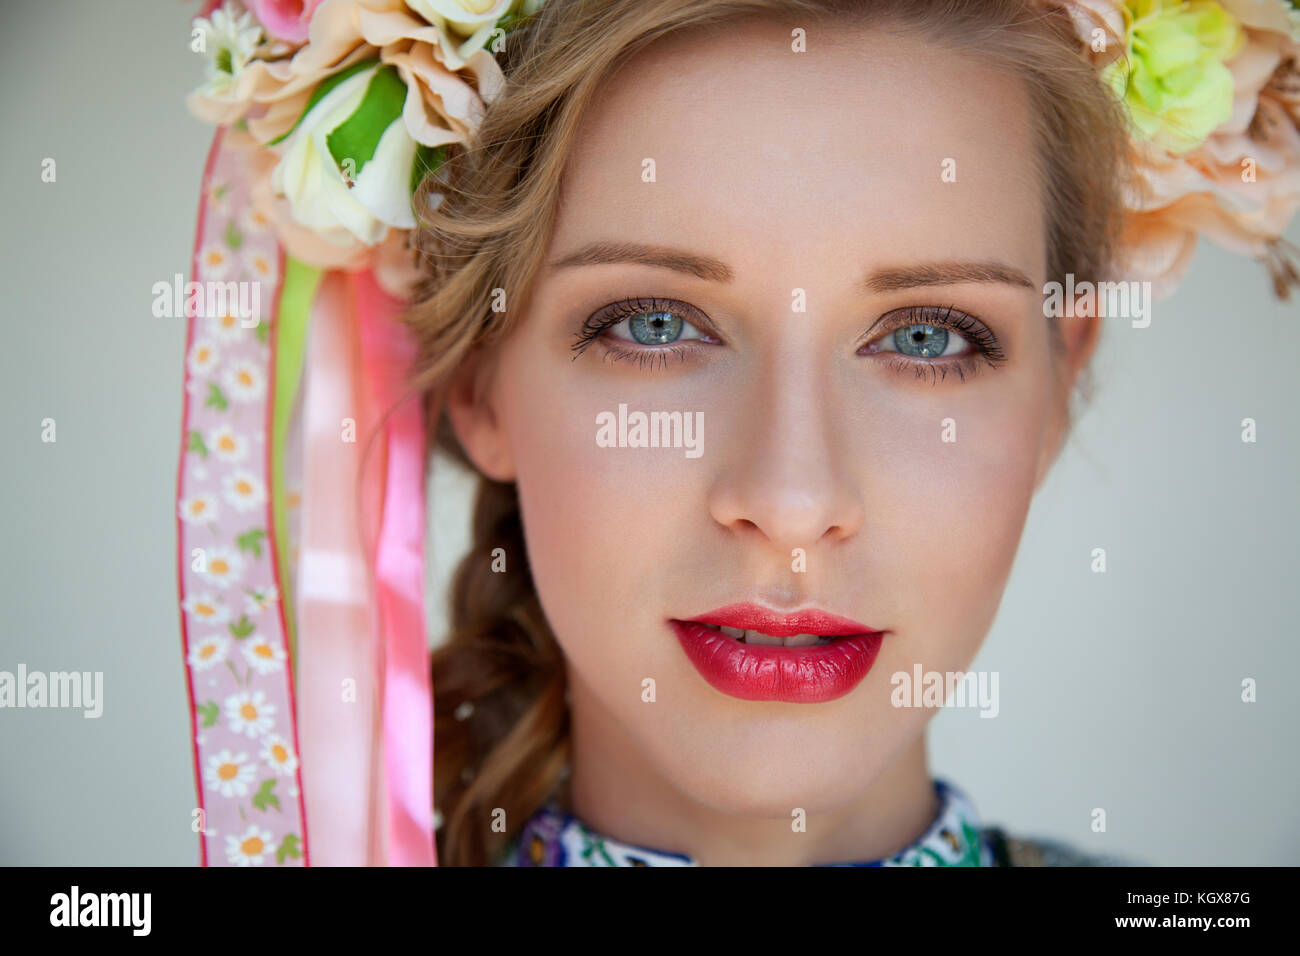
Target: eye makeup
[{"x": 927, "y": 340}]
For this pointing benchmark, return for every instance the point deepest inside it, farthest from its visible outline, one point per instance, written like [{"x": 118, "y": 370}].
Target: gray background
[{"x": 1118, "y": 690}]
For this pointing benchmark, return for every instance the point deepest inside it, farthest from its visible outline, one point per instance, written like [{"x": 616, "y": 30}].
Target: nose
[{"x": 788, "y": 478}]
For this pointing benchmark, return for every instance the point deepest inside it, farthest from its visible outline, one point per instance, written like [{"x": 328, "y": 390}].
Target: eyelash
[
  {"x": 986, "y": 349},
  {"x": 984, "y": 343},
  {"x": 595, "y": 326}
]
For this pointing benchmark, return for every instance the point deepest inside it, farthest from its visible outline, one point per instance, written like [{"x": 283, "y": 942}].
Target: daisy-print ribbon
[{"x": 250, "y": 809}]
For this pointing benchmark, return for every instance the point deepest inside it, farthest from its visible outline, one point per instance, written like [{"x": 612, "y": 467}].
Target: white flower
[
  {"x": 209, "y": 652},
  {"x": 265, "y": 657},
  {"x": 226, "y": 327},
  {"x": 226, "y": 444},
  {"x": 224, "y": 566},
  {"x": 244, "y": 381},
  {"x": 198, "y": 509},
  {"x": 249, "y": 714},
  {"x": 244, "y": 490},
  {"x": 260, "y": 599},
  {"x": 229, "y": 40},
  {"x": 262, "y": 265},
  {"x": 250, "y": 847},
  {"x": 229, "y": 775},
  {"x": 215, "y": 261},
  {"x": 279, "y": 756},
  {"x": 203, "y": 357},
  {"x": 206, "y": 609},
  {"x": 351, "y": 187}
]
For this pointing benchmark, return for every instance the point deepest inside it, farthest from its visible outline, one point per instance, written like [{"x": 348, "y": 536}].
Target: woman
[
  {"x": 835, "y": 264},
  {"x": 740, "y": 310}
]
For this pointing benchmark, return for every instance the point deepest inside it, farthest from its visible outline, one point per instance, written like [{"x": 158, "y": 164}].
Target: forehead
[{"x": 823, "y": 156}]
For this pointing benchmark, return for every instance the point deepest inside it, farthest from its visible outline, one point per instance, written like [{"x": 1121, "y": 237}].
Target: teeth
[
  {"x": 802, "y": 640},
  {"x": 758, "y": 637}
]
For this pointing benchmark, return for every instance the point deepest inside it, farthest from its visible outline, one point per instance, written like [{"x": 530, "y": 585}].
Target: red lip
[{"x": 811, "y": 674}]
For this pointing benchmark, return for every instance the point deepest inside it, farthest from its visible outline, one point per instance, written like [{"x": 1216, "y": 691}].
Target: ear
[
  {"x": 1079, "y": 336},
  {"x": 471, "y": 408}
]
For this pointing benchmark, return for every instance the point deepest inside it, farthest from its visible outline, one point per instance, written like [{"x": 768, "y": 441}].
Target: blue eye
[
  {"x": 655, "y": 328},
  {"x": 652, "y": 326},
  {"x": 922, "y": 341}
]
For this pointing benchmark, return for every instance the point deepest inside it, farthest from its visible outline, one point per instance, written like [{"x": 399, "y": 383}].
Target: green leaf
[
  {"x": 242, "y": 628},
  {"x": 427, "y": 161},
  {"x": 215, "y": 398},
  {"x": 357, "y": 137},
  {"x": 251, "y": 540},
  {"x": 265, "y": 796},
  {"x": 321, "y": 90},
  {"x": 196, "y": 444},
  {"x": 234, "y": 238},
  {"x": 263, "y": 332},
  {"x": 208, "y": 712},
  {"x": 288, "y": 847}
]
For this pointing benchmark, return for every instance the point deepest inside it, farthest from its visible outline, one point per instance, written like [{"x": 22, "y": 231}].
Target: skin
[{"x": 808, "y": 442}]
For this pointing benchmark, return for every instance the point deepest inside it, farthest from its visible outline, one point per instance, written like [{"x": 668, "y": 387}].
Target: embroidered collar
[{"x": 553, "y": 837}]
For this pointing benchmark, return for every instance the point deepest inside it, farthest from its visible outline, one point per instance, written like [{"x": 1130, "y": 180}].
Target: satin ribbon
[
  {"x": 399, "y": 580},
  {"x": 338, "y": 647}
]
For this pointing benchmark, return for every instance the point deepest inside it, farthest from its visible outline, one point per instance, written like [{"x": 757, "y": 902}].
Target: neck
[{"x": 616, "y": 791}]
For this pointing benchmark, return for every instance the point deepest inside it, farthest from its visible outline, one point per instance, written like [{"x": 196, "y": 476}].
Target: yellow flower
[{"x": 1173, "y": 79}]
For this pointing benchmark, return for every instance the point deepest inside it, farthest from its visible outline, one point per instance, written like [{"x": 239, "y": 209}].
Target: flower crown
[{"x": 352, "y": 101}]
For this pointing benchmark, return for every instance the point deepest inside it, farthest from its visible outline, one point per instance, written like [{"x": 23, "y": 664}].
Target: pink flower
[{"x": 285, "y": 19}]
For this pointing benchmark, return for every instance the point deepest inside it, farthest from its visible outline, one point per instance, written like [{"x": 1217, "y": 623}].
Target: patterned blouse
[{"x": 553, "y": 837}]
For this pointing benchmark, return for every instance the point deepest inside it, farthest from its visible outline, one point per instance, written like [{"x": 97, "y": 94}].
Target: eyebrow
[{"x": 948, "y": 272}]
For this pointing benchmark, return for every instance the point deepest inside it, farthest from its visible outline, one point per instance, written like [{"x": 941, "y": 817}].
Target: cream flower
[
  {"x": 346, "y": 168},
  {"x": 466, "y": 25}
]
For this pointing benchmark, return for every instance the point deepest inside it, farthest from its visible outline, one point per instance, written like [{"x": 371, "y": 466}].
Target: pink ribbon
[
  {"x": 399, "y": 580},
  {"x": 339, "y": 689}
]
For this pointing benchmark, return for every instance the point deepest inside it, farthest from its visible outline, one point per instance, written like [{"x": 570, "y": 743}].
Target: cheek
[
  {"x": 948, "y": 488},
  {"x": 603, "y": 525}
]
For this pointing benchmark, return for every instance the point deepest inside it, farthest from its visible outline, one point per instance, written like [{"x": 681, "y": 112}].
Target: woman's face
[{"x": 873, "y": 184}]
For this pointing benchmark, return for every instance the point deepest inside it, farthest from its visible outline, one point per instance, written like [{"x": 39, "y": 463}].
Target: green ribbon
[{"x": 296, "y": 295}]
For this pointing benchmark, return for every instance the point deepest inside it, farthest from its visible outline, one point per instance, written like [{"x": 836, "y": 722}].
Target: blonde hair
[{"x": 510, "y": 748}]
